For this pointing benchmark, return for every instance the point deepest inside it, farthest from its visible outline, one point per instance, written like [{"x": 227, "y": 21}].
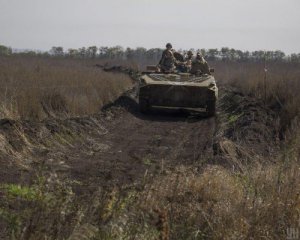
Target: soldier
[
  {"x": 199, "y": 65},
  {"x": 188, "y": 61},
  {"x": 167, "y": 61},
  {"x": 185, "y": 64}
]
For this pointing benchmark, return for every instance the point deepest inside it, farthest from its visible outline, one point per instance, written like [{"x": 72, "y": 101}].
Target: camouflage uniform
[
  {"x": 167, "y": 61},
  {"x": 200, "y": 65},
  {"x": 188, "y": 63}
]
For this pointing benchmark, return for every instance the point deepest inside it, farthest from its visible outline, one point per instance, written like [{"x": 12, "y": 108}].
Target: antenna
[{"x": 265, "y": 77}]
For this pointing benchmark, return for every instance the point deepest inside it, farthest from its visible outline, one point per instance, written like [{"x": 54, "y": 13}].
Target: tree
[
  {"x": 57, "y": 51},
  {"x": 225, "y": 53},
  {"x": 116, "y": 52},
  {"x": 232, "y": 54},
  {"x": 246, "y": 56},
  {"x": 103, "y": 52},
  {"x": 258, "y": 55},
  {"x": 212, "y": 54},
  {"x": 92, "y": 51},
  {"x": 72, "y": 52},
  {"x": 279, "y": 55},
  {"x": 295, "y": 58},
  {"x": 82, "y": 52},
  {"x": 154, "y": 54},
  {"x": 5, "y": 50},
  {"x": 129, "y": 53}
]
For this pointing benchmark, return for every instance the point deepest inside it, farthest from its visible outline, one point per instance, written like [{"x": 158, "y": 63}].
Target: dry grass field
[
  {"x": 280, "y": 90},
  {"x": 36, "y": 88},
  {"x": 245, "y": 186}
]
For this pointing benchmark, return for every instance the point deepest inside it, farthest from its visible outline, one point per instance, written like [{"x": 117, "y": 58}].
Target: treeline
[{"x": 154, "y": 54}]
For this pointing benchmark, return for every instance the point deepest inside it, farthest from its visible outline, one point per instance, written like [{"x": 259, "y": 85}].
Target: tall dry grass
[
  {"x": 280, "y": 90},
  {"x": 217, "y": 203},
  {"x": 35, "y": 88}
]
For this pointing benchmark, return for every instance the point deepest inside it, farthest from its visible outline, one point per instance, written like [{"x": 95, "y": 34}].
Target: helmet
[
  {"x": 190, "y": 53},
  {"x": 169, "y": 45}
]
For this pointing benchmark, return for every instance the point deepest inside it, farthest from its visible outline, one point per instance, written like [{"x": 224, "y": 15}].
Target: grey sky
[{"x": 240, "y": 24}]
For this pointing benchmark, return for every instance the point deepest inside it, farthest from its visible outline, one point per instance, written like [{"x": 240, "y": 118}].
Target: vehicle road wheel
[
  {"x": 144, "y": 105},
  {"x": 211, "y": 108}
]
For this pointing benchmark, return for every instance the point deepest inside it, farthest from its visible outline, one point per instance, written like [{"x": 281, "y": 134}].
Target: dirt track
[
  {"x": 120, "y": 146},
  {"x": 133, "y": 145}
]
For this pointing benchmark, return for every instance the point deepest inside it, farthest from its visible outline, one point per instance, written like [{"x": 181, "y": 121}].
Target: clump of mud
[{"x": 247, "y": 130}]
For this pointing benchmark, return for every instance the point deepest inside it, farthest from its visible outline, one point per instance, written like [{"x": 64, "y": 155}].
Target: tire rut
[{"x": 139, "y": 145}]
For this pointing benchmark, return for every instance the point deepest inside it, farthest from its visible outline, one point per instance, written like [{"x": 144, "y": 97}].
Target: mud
[
  {"x": 136, "y": 146},
  {"x": 247, "y": 133},
  {"x": 119, "y": 146}
]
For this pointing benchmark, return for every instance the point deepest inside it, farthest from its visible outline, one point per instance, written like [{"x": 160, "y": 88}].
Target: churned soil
[{"x": 119, "y": 146}]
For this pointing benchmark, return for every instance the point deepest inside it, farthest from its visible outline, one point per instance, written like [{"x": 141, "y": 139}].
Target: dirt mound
[
  {"x": 128, "y": 101},
  {"x": 247, "y": 130}
]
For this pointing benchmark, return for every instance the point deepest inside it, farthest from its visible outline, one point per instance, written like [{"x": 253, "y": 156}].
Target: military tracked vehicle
[{"x": 178, "y": 91}]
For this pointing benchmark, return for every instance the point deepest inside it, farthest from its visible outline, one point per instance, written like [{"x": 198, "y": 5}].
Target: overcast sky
[{"x": 241, "y": 24}]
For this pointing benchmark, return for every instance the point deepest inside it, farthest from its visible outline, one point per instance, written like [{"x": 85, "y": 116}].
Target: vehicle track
[
  {"x": 121, "y": 146},
  {"x": 137, "y": 145}
]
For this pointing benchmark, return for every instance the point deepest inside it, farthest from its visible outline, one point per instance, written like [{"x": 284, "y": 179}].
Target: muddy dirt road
[
  {"x": 131, "y": 145},
  {"x": 119, "y": 146}
]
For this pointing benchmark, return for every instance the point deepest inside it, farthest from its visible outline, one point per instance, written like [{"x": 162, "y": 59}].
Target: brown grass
[
  {"x": 260, "y": 201},
  {"x": 35, "y": 88},
  {"x": 282, "y": 84}
]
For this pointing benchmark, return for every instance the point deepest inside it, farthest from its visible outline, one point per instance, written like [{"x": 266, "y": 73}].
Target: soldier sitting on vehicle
[
  {"x": 167, "y": 61},
  {"x": 199, "y": 65},
  {"x": 184, "y": 64},
  {"x": 188, "y": 61}
]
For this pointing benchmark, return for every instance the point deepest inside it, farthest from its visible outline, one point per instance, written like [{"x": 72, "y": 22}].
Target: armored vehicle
[{"x": 178, "y": 91}]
